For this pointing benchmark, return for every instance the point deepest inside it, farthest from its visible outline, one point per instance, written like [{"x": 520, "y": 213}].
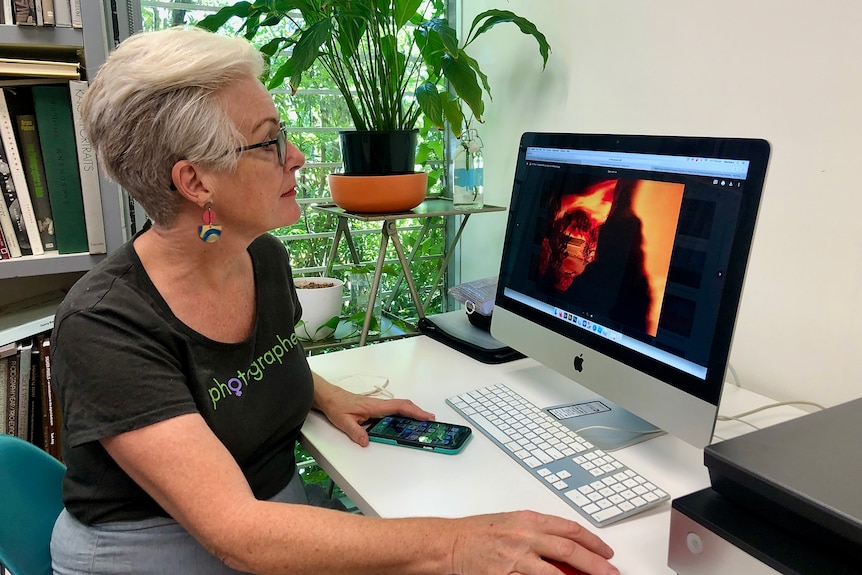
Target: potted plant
[
  {"x": 390, "y": 59},
  {"x": 321, "y": 299}
]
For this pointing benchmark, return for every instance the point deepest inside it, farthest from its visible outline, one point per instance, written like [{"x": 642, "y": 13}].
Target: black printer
[{"x": 784, "y": 499}]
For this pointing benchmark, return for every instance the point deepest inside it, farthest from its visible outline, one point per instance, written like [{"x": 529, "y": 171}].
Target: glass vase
[
  {"x": 469, "y": 173},
  {"x": 360, "y": 294}
]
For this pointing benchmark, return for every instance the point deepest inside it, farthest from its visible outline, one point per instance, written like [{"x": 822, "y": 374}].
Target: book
[
  {"x": 17, "y": 235},
  {"x": 25, "y": 12},
  {"x": 89, "y": 171},
  {"x": 7, "y": 227},
  {"x": 40, "y": 18},
  {"x": 35, "y": 432},
  {"x": 54, "y": 121},
  {"x": 25, "y": 358},
  {"x": 62, "y": 14},
  {"x": 34, "y": 170},
  {"x": 77, "y": 21},
  {"x": 11, "y": 395},
  {"x": 48, "y": 12},
  {"x": 10, "y": 145},
  {"x": 4, "y": 251},
  {"x": 38, "y": 68},
  {"x": 43, "y": 346},
  {"x": 49, "y": 405},
  {"x": 4, "y": 400},
  {"x": 7, "y": 14},
  {"x": 29, "y": 317}
]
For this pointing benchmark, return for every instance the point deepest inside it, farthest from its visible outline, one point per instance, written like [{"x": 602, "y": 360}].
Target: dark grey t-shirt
[{"x": 121, "y": 361}]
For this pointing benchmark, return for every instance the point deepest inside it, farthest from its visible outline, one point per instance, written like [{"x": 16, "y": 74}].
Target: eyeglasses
[{"x": 280, "y": 143}]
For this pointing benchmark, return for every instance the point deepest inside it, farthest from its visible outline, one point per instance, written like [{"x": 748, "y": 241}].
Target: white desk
[{"x": 390, "y": 481}]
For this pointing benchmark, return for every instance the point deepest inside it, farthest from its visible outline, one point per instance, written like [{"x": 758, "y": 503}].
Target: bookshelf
[{"x": 27, "y": 276}]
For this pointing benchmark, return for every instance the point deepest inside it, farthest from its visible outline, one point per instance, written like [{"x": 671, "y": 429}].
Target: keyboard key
[
  {"x": 606, "y": 514},
  {"x": 577, "y": 498}
]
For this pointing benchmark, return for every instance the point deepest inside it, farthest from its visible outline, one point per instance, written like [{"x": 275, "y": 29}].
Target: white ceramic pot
[{"x": 321, "y": 300}]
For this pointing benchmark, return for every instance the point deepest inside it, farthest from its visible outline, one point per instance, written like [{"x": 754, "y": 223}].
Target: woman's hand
[
  {"x": 529, "y": 543},
  {"x": 347, "y": 411}
]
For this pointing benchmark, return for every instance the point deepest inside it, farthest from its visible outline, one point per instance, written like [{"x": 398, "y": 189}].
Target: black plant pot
[{"x": 367, "y": 153}]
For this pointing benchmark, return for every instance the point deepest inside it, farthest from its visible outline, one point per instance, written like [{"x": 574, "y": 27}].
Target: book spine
[
  {"x": 40, "y": 18},
  {"x": 45, "y": 416},
  {"x": 57, "y": 139},
  {"x": 10, "y": 233},
  {"x": 35, "y": 432},
  {"x": 89, "y": 170},
  {"x": 12, "y": 395},
  {"x": 4, "y": 392},
  {"x": 51, "y": 408},
  {"x": 24, "y": 360},
  {"x": 62, "y": 14},
  {"x": 48, "y": 12},
  {"x": 12, "y": 208},
  {"x": 25, "y": 12},
  {"x": 34, "y": 170},
  {"x": 10, "y": 145},
  {"x": 75, "y": 6},
  {"x": 8, "y": 13},
  {"x": 4, "y": 251}
]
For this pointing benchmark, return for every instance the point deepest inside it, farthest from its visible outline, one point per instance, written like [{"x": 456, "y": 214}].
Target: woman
[{"x": 180, "y": 379}]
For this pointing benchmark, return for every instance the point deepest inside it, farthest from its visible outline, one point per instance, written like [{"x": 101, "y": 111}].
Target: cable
[
  {"x": 735, "y": 375},
  {"x": 362, "y": 384},
  {"x": 380, "y": 390},
  {"x": 738, "y": 417},
  {"x": 771, "y": 406},
  {"x": 732, "y": 418}
]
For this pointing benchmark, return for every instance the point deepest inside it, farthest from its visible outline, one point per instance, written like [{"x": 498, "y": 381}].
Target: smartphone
[{"x": 446, "y": 438}]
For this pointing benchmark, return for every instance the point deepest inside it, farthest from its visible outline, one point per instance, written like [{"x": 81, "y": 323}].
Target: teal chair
[{"x": 30, "y": 501}]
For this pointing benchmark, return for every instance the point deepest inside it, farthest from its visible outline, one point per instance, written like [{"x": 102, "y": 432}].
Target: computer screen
[{"x": 623, "y": 267}]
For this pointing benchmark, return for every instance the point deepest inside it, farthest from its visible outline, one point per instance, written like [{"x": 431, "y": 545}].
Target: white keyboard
[{"x": 591, "y": 481}]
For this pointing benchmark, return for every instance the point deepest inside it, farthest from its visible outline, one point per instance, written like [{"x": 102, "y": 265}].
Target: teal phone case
[{"x": 422, "y": 447}]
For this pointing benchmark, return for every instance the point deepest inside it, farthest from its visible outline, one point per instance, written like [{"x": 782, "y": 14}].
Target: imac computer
[{"x": 622, "y": 269}]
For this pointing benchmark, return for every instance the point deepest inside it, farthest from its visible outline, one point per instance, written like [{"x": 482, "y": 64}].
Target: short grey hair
[{"x": 155, "y": 101}]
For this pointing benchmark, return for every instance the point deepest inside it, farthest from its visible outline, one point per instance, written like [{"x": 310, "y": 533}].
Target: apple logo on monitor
[{"x": 579, "y": 362}]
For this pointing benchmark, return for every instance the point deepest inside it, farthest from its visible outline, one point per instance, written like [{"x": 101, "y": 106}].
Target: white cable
[
  {"x": 732, "y": 418},
  {"x": 735, "y": 375},
  {"x": 774, "y": 405},
  {"x": 362, "y": 384}
]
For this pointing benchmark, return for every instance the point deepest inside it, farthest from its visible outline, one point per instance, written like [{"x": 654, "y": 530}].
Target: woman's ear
[{"x": 189, "y": 182}]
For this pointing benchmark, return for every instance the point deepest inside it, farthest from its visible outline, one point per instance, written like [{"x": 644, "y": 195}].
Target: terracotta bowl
[{"x": 378, "y": 194}]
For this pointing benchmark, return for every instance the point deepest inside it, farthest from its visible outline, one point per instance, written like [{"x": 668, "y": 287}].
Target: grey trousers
[{"x": 153, "y": 546}]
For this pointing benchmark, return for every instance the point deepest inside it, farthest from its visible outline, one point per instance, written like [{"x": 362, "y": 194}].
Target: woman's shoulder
[
  {"x": 268, "y": 250},
  {"x": 115, "y": 283},
  {"x": 267, "y": 244}
]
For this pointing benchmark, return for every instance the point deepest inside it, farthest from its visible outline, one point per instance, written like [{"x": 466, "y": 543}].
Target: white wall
[{"x": 788, "y": 72}]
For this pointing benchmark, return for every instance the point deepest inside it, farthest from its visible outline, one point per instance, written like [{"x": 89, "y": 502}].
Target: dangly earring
[{"x": 209, "y": 231}]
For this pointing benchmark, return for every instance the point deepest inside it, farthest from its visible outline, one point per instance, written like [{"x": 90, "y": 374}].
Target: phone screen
[{"x": 431, "y": 435}]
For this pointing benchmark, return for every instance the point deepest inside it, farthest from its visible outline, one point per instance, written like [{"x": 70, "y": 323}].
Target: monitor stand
[{"x": 603, "y": 423}]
